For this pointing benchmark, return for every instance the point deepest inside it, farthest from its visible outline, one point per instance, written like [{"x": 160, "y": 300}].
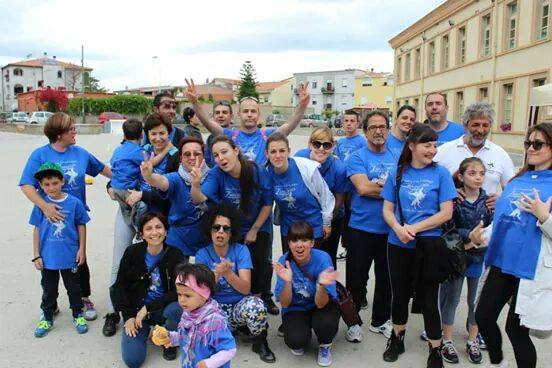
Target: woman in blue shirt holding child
[{"x": 418, "y": 199}]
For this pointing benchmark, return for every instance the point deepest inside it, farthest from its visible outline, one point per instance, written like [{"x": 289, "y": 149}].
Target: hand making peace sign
[
  {"x": 191, "y": 92},
  {"x": 304, "y": 96},
  {"x": 146, "y": 167}
]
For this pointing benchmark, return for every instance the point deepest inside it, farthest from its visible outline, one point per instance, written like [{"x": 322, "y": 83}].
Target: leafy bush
[{"x": 129, "y": 105}]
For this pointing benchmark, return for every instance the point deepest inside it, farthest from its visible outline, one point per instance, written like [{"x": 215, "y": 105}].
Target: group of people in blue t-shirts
[{"x": 379, "y": 193}]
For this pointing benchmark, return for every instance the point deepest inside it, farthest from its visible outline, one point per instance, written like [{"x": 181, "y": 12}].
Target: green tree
[
  {"x": 92, "y": 84},
  {"x": 247, "y": 83}
]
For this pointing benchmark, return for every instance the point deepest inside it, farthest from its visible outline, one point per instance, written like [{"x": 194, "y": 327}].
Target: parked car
[
  {"x": 39, "y": 117},
  {"x": 20, "y": 117},
  {"x": 275, "y": 120},
  {"x": 313, "y": 121},
  {"x": 6, "y": 117},
  {"x": 105, "y": 116}
]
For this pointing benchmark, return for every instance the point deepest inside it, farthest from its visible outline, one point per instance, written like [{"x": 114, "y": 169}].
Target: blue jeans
[{"x": 133, "y": 349}]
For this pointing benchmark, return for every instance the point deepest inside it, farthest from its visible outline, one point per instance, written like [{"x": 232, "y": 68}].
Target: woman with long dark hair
[
  {"x": 245, "y": 185},
  {"x": 418, "y": 199},
  {"x": 518, "y": 251}
]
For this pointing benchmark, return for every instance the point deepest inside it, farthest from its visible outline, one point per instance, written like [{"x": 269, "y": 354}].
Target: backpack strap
[
  {"x": 235, "y": 135},
  {"x": 263, "y": 134}
]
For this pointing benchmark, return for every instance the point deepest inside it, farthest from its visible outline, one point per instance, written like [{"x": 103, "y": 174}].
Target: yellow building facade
[
  {"x": 474, "y": 50},
  {"x": 374, "y": 90},
  {"x": 282, "y": 96}
]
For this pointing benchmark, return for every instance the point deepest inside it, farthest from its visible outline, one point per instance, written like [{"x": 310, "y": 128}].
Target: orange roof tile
[
  {"x": 268, "y": 86},
  {"x": 38, "y": 63}
]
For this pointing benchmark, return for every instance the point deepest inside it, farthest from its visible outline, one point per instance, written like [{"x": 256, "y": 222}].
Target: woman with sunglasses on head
[
  {"x": 519, "y": 250},
  {"x": 299, "y": 190},
  {"x": 231, "y": 263},
  {"x": 321, "y": 148},
  {"x": 245, "y": 185},
  {"x": 418, "y": 199},
  {"x": 306, "y": 289},
  {"x": 184, "y": 216}
]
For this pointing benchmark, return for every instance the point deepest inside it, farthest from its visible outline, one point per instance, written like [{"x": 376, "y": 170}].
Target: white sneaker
[
  {"x": 354, "y": 334},
  {"x": 324, "y": 355},
  {"x": 386, "y": 329},
  {"x": 298, "y": 352},
  {"x": 89, "y": 312}
]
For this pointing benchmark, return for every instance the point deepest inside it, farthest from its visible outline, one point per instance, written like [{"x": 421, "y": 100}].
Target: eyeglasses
[
  {"x": 325, "y": 145},
  {"x": 190, "y": 154},
  {"x": 373, "y": 128},
  {"x": 169, "y": 105},
  {"x": 216, "y": 228},
  {"x": 248, "y": 98},
  {"x": 537, "y": 144}
]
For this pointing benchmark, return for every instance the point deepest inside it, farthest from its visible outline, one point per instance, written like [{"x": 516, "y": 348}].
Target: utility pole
[
  {"x": 82, "y": 82},
  {"x": 156, "y": 58}
]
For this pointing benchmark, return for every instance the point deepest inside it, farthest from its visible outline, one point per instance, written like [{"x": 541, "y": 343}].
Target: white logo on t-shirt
[
  {"x": 72, "y": 174},
  {"x": 418, "y": 196},
  {"x": 60, "y": 225}
]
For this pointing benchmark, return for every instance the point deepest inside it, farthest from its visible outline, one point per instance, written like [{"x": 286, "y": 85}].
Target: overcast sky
[{"x": 206, "y": 39}]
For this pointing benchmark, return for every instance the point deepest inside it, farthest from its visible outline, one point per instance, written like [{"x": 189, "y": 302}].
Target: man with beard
[
  {"x": 165, "y": 103},
  {"x": 436, "y": 109},
  {"x": 499, "y": 168},
  {"x": 223, "y": 115}
]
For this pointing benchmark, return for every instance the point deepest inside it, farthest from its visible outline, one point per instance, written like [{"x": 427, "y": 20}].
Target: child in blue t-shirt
[
  {"x": 59, "y": 248},
  {"x": 203, "y": 334},
  {"x": 125, "y": 171},
  {"x": 468, "y": 214}
]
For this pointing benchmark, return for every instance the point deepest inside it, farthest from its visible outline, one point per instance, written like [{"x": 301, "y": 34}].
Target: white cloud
[{"x": 204, "y": 39}]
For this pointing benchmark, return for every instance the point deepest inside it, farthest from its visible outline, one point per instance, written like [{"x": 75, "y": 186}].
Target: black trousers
[
  {"x": 410, "y": 270},
  {"x": 363, "y": 249},
  {"x": 331, "y": 244},
  {"x": 298, "y": 326},
  {"x": 50, "y": 283},
  {"x": 84, "y": 279},
  {"x": 498, "y": 289},
  {"x": 262, "y": 268}
]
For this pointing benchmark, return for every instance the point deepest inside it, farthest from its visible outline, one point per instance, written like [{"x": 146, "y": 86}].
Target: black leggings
[
  {"x": 84, "y": 278},
  {"x": 260, "y": 257},
  {"x": 50, "y": 283},
  {"x": 331, "y": 244},
  {"x": 298, "y": 325},
  {"x": 498, "y": 289},
  {"x": 406, "y": 267},
  {"x": 363, "y": 249}
]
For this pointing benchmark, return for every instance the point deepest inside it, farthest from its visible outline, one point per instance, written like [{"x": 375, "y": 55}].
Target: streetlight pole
[
  {"x": 82, "y": 82},
  {"x": 156, "y": 58}
]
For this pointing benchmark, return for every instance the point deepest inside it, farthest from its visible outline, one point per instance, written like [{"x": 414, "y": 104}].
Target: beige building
[
  {"x": 478, "y": 50},
  {"x": 374, "y": 90}
]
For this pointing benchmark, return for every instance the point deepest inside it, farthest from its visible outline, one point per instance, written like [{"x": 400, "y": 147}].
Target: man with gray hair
[{"x": 477, "y": 120}]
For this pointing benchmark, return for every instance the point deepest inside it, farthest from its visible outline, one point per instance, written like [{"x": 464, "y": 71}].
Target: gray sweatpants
[{"x": 449, "y": 296}]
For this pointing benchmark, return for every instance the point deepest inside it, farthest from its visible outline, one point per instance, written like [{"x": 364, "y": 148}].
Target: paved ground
[{"x": 20, "y": 289}]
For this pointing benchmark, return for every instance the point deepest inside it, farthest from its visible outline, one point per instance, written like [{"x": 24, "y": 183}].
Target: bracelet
[{"x": 34, "y": 259}]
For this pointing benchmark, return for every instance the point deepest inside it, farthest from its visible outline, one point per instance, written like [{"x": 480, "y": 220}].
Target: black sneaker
[
  {"x": 110, "y": 325},
  {"x": 395, "y": 347},
  {"x": 170, "y": 353},
  {"x": 271, "y": 307},
  {"x": 449, "y": 353},
  {"x": 281, "y": 330},
  {"x": 474, "y": 352},
  {"x": 364, "y": 305},
  {"x": 260, "y": 346},
  {"x": 435, "y": 359}
]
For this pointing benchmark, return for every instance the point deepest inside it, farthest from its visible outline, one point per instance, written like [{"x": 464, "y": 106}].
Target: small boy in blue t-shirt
[
  {"x": 125, "y": 171},
  {"x": 59, "y": 248}
]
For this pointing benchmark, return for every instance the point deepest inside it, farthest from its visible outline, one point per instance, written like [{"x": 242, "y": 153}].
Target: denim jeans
[
  {"x": 124, "y": 234},
  {"x": 134, "y": 349}
]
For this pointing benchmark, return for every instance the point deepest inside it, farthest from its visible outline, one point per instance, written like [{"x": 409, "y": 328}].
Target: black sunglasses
[
  {"x": 216, "y": 228},
  {"x": 325, "y": 145},
  {"x": 537, "y": 144}
]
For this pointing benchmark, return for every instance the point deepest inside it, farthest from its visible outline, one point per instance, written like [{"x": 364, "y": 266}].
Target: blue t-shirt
[
  {"x": 515, "y": 242},
  {"x": 421, "y": 193},
  {"x": 252, "y": 145},
  {"x": 239, "y": 255},
  {"x": 295, "y": 200},
  {"x": 58, "y": 242},
  {"x": 76, "y": 163},
  {"x": 156, "y": 289},
  {"x": 206, "y": 345},
  {"x": 125, "y": 166},
  {"x": 347, "y": 145},
  {"x": 366, "y": 212},
  {"x": 451, "y": 132},
  {"x": 184, "y": 217},
  {"x": 394, "y": 145},
  {"x": 303, "y": 284},
  {"x": 219, "y": 186},
  {"x": 334, "y": 172}
]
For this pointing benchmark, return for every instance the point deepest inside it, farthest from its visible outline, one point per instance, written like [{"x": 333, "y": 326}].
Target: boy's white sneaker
[{"x": 354, "y": 334}]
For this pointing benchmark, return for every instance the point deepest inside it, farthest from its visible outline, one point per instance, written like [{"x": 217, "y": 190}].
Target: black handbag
[{"x": 454, "y": 255}]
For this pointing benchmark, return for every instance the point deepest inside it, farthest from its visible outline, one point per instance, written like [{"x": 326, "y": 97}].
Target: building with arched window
[{"x": 29, "y": 75}]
